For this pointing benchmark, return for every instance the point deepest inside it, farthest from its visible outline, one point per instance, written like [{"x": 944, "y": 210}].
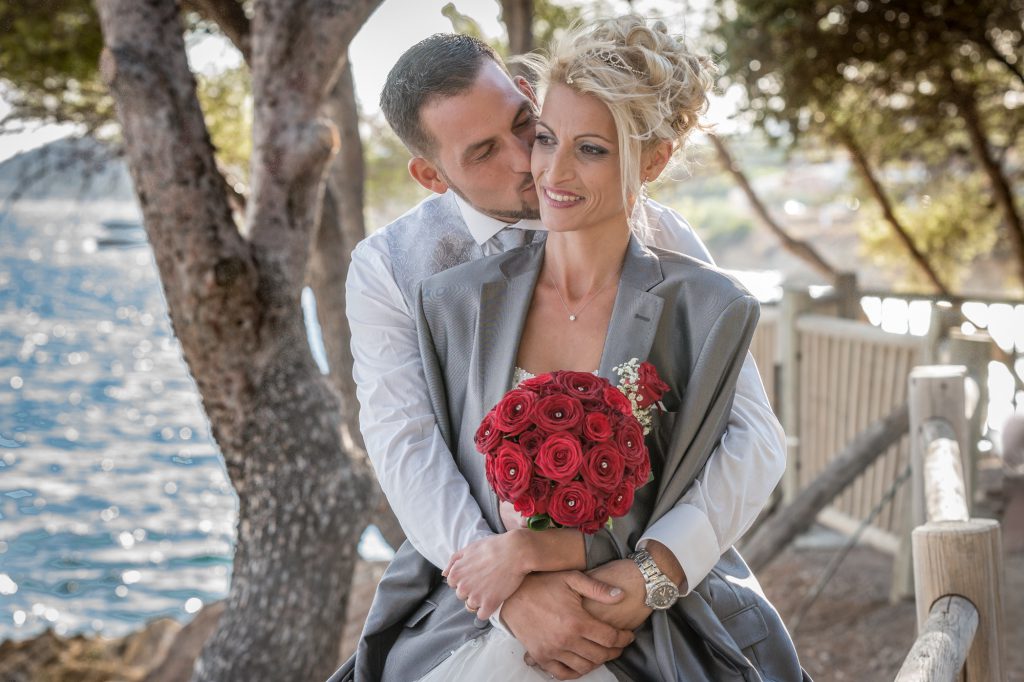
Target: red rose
[
  {"x": 571, "y": 504},
  {"x": 642, "y": 471},
  {"x": 560, "y": 457},
  {"x": 603, "y": 467},
  {"x": 596, "y": 521},
  {"x": 530, "y": 441},
  {"x": 542, "y": 384},
  {"x": 583, "y": 385},
  {"x": 512, "y": 471},
  {"x": 488, "y": 436},
  {"x": 630, "y": 438},
  {"x": 621, "y": 500},
  {"x": 597, "y": 426},
  {"x": 617, "y": 400},
  {"x": 535, "y": 500},
  {"x": 512, "y": 413},
  {"x": 558, "y": 412},
  {"x": 650, "y": 387}
]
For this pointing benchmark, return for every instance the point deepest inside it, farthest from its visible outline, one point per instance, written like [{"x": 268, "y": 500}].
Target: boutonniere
[{"x": 639, "y": 381}]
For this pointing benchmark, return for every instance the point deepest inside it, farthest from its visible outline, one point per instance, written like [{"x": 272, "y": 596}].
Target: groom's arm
[
  {"x": 415, "y": 468},
  {"x": 741, "y": 473}
]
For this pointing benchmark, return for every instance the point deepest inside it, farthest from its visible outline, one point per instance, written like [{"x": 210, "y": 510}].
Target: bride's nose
[{"x": 560, "y": 166}]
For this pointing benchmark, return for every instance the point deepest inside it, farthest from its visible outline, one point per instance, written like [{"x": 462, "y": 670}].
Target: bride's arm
[{"x": 487, "y": 572}]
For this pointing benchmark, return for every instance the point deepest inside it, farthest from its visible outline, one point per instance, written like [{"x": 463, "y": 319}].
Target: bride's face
[{"x": 575, "y": 163}]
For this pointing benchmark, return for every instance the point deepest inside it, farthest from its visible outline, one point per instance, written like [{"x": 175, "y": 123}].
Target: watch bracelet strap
[{"x": 650, "y": 571}]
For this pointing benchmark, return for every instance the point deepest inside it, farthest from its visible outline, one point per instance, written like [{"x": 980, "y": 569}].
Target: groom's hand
[{"x": 546, "y": 615}]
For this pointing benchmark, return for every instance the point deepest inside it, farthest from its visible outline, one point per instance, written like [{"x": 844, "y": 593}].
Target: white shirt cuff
[
  {"x": 498, "y": 623},
  {"x": 687, "y": 533}
]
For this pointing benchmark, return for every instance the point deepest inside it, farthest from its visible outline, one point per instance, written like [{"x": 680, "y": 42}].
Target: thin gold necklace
[{"x": 573, "y": 314}]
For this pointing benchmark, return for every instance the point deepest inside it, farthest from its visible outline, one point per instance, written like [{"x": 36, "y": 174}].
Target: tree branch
[
  {"x": 181, "y": 191},
  {"x": 875, "y": 187},
  {"x": 801, "y": 249},
  {"x": 297, "y": 54}
]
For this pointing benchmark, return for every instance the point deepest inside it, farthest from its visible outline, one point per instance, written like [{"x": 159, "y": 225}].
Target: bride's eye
[
  {"x": 544, "y": 139},
  {"x": 593, "y": 150}
]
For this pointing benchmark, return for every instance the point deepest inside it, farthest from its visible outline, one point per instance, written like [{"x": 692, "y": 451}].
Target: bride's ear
[
  {"x": 426, "y": 173},
  {"x": 654, "y": 160}
]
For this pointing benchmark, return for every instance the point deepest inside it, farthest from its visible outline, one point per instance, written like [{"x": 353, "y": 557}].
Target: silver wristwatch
[{"x": 661, "y": 591}]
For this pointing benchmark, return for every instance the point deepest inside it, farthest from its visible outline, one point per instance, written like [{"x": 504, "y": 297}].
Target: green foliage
[
  {"x": 892, "y": 78},
  {"x": 549, "y": 19},
  {"x": 49, "y": 63},
  {"x": 226, "y": 100},
  {"x": 389, "y": 189},
  {"x": 951, "y": 225}
]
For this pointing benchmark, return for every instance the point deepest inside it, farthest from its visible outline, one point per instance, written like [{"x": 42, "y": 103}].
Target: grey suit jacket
[{"x": 694, "y": 324}]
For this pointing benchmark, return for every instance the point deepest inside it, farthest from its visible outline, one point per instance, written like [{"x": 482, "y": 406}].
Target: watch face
[{"x": 663, "y": 596}]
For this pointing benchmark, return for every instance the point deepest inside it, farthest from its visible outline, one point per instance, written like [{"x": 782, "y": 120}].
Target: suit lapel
[
  {"x": 504, "y": 304},
  {"x": 636, "y": 313}
]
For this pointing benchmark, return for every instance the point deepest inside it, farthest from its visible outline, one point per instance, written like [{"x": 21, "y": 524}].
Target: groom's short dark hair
[{"x": 442, "y": 65}]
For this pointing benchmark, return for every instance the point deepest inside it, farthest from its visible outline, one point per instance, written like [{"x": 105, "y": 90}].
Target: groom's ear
[
  {"x": 524, "y": 87},
  {"x": 425, "y": 172}
]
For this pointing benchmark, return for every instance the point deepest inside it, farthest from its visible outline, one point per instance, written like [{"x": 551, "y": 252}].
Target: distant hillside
[{"x": 71, "y": 168}]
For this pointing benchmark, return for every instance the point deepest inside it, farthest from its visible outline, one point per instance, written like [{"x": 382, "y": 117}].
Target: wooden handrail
[
  {"x": 939, "y": 653},
  {"x": 957, "y": 571}
]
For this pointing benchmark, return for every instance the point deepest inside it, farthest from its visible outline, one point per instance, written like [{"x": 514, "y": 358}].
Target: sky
[{"x": 396, "y": 25}]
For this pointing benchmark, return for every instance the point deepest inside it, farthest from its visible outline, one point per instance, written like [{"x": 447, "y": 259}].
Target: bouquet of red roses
[{"x": 567, "y": 448}]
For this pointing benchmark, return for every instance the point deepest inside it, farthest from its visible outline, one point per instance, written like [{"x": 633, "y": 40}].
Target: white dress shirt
[{"x": 418, "y": 474}]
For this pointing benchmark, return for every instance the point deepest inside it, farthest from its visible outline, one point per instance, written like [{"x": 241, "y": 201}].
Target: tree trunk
[
  {"x": 964, "y": 100},
  {"x": 341, "y": 228},
  {"x": 875, "y": 187},
  {"x": 517, "y": 15},
  {"x": 234, "y": 305},
  {"x": 797, "y": 247}
]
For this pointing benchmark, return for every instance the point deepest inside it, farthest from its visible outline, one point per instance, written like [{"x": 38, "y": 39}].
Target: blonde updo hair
[{"x": 654, "y": 86}]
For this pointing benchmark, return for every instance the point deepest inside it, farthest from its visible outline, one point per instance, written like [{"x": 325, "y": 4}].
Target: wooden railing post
[
  {"x": 934, "y": 391},
  {"x": 847, "y": 296},
  {"x": 952, "y": 553},
  {"x": 795, "y": 302},
  {"x": 973, "y": 351}
]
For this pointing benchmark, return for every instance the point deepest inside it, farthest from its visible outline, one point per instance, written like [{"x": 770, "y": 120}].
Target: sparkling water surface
[{"x": 115, "y": 506}]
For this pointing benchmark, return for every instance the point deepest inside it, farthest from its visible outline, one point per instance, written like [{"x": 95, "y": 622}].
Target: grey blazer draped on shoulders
[{"x": 694, "y": 323}]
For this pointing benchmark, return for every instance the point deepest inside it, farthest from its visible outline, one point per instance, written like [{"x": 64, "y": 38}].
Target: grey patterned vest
[{"x": 430, "y": 238}]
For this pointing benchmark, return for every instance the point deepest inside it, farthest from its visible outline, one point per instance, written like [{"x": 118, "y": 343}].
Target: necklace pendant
[{"x": 572, "y": 318}]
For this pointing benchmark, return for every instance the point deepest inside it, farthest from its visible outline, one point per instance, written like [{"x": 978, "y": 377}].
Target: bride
[{"x": 620, "y": 97}]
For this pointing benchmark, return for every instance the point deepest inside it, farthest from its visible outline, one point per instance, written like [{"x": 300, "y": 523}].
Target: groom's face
[{"x": 482, "y": 141}]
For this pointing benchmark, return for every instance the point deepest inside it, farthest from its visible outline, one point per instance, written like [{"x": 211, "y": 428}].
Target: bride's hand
[{"x": 487, "y": 572}]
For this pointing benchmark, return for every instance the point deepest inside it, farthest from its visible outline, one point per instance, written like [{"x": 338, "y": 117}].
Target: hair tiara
[{"x": 610, "y": 58}]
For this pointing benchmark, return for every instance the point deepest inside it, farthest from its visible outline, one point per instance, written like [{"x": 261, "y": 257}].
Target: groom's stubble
[{"x": 509, "y": 214}]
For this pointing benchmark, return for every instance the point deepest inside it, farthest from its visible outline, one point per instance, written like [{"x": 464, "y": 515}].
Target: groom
[{"x": 470, "y": 129}]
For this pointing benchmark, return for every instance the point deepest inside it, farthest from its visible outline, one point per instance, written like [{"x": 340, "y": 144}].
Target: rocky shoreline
[{"x": 163, "y": 651}]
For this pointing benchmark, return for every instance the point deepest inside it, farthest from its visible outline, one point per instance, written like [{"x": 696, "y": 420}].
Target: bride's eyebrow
[{"x": 581, "y": 135}]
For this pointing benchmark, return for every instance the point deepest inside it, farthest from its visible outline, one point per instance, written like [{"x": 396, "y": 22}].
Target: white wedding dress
[{"x": 497, "y": 656}]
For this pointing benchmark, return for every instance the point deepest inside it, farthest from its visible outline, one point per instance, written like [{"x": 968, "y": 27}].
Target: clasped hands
[{"x": 570, "y": 622}]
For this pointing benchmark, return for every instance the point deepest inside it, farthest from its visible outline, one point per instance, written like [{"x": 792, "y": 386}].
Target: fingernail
[{"x": 615, "y": 592}]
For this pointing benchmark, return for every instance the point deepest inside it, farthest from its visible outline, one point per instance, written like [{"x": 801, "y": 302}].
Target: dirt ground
[{"x": 852, "y": 632}]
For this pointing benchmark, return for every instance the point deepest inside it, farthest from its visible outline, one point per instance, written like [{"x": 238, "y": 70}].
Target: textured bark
[
  {"x": 875, "y": 187},
  {"x": 798, "y": 248},
  {"x": 234, "y": 304},
  {"x": 968, "y": 110}
]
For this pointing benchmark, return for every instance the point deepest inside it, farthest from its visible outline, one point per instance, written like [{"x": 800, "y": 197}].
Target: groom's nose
[{"x": 520, "y": 153}]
